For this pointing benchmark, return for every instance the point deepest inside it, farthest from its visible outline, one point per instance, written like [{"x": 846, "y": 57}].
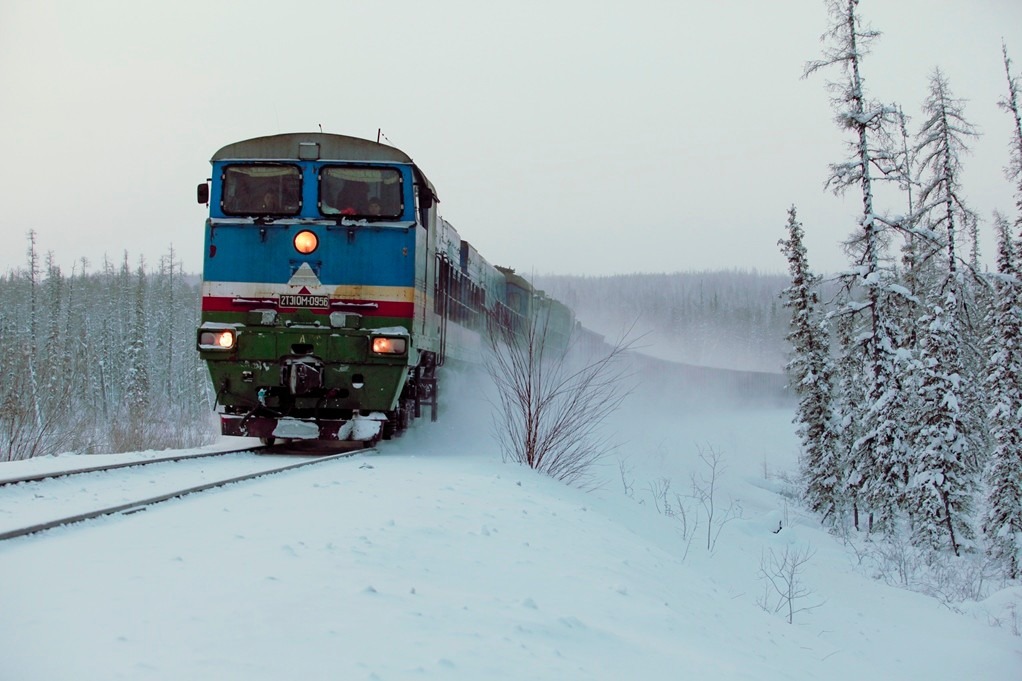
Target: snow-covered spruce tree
[
  {"x": 941, "y": 480},
  {"x": 879, "y": 470},
  {"x": 1003, "y": 522},
  {"x": 848, "y": 401},
  {"x": 882, "y": 453},
  {"x": 945, "y": 445},
  {"x": 809, "y": 374}
]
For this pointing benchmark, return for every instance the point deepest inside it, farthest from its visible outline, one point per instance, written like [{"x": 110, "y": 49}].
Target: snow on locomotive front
[{"x": 317, "y": 320}]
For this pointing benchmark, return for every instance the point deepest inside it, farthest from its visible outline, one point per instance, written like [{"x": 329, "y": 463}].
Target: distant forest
[
  {"x": 731, "y": 319},
  {"x": 100, "y": 360}
]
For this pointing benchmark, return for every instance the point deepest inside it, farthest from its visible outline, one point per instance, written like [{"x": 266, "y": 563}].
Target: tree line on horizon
[
  {"x": 730, "y": 319},
  {"x": 910, "y": 374}
]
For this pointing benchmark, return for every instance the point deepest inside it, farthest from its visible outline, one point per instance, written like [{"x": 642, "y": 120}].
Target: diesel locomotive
[{"x": 333, "y": 292}]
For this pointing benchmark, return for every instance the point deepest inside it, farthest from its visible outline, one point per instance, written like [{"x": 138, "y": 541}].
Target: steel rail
[
  {"x": 136, "y": 506},
  {"x": 124, "y": 464}
]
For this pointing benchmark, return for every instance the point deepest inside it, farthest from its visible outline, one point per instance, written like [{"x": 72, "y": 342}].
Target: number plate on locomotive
[{"x": 301, "y": 300}]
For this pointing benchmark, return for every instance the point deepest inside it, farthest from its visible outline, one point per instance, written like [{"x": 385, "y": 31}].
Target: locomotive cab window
[
  {"x": 361, "y": 192},
  {"x": 261, "y": 190}
]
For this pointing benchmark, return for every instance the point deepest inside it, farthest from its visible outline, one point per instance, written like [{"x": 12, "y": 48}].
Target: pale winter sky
[{"x": 575, "y": 136}]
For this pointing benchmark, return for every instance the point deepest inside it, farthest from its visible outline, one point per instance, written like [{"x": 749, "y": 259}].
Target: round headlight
[{"x": 306, "y": 242}]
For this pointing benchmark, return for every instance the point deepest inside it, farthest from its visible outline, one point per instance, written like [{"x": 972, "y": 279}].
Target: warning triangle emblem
[{"x": 304, "y": 277}]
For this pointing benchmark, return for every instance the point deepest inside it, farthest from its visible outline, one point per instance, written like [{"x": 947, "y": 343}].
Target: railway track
[
  {"x": 90, "y": 493},
  {"x": 124, "y": 464}
]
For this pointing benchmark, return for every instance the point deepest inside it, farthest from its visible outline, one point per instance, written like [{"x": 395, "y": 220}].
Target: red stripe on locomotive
[{"x": 368, "y": 308}]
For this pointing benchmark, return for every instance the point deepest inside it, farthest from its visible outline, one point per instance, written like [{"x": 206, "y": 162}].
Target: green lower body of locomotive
[{"x": 304, "y": 371}]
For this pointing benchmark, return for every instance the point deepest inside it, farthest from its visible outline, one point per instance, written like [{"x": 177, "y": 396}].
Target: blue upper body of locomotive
[{"x": 305, "y": 172}]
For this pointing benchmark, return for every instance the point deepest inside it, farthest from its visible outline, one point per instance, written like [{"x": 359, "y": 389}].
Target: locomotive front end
[{"x": 313, "y": 282}]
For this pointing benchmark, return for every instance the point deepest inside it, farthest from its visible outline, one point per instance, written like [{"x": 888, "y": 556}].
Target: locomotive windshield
[
  {"x": 360, "y": 191},
  {"x": 262, "y": 190}
]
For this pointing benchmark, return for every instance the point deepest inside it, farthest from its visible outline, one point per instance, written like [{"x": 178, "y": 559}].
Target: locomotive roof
[{"x": 329, "y": 147}]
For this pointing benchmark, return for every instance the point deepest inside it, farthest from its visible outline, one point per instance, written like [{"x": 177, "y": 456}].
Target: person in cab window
[
  {"x": 374, "y": 206},
  {"x": 269, "y": 203}
]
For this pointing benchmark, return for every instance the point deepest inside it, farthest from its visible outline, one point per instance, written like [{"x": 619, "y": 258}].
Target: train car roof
[
  {"x": 315, "y": 146},
  {"x": 515, "y": 279}
]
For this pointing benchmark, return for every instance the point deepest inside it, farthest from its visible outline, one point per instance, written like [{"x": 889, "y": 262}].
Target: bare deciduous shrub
[
  {"x": 685, "y": 508},
  {"x": 626, "y": 479},
  {"x": 553, "y": 398},
  {"x": 658, "y": 490},
  {"x": 948, "y": 578},
  {"x": 679, "y": 510},
  {"x": 704, "y": 490},
  {"x": 783, "y": 589}
]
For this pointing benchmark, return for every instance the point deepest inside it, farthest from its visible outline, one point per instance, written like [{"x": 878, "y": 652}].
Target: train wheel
[
  {"x": 268, "y": 441},
  {"x": 399, "y": 419}
]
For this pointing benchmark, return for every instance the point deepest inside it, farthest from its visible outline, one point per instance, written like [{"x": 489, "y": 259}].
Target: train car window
[
  {"x": 261, "y": 189},
  {"x": 361, "y": 192}
]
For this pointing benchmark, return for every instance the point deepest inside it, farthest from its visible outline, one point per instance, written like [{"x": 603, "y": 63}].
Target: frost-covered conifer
[
  {"x": 809, "y": 373},
  {"x": 878, "y": 475},
  {"x": 1003, "y": 520},
  {"x": 881, "y": 454},
  {"x": 946, "y": 442},
  {"x": 849, "y": 405},
  {"x": 941, "y": 481}
]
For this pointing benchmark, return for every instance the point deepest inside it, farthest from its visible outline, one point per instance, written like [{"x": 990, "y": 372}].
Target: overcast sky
[{"x": 575, "y": 137}]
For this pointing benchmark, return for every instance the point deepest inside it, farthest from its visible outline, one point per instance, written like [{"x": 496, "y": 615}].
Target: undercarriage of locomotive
[{"x": 313, "y": 400}]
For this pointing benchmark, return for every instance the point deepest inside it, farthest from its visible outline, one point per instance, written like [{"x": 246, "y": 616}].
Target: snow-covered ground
[{"x": 431, "y": 558}]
